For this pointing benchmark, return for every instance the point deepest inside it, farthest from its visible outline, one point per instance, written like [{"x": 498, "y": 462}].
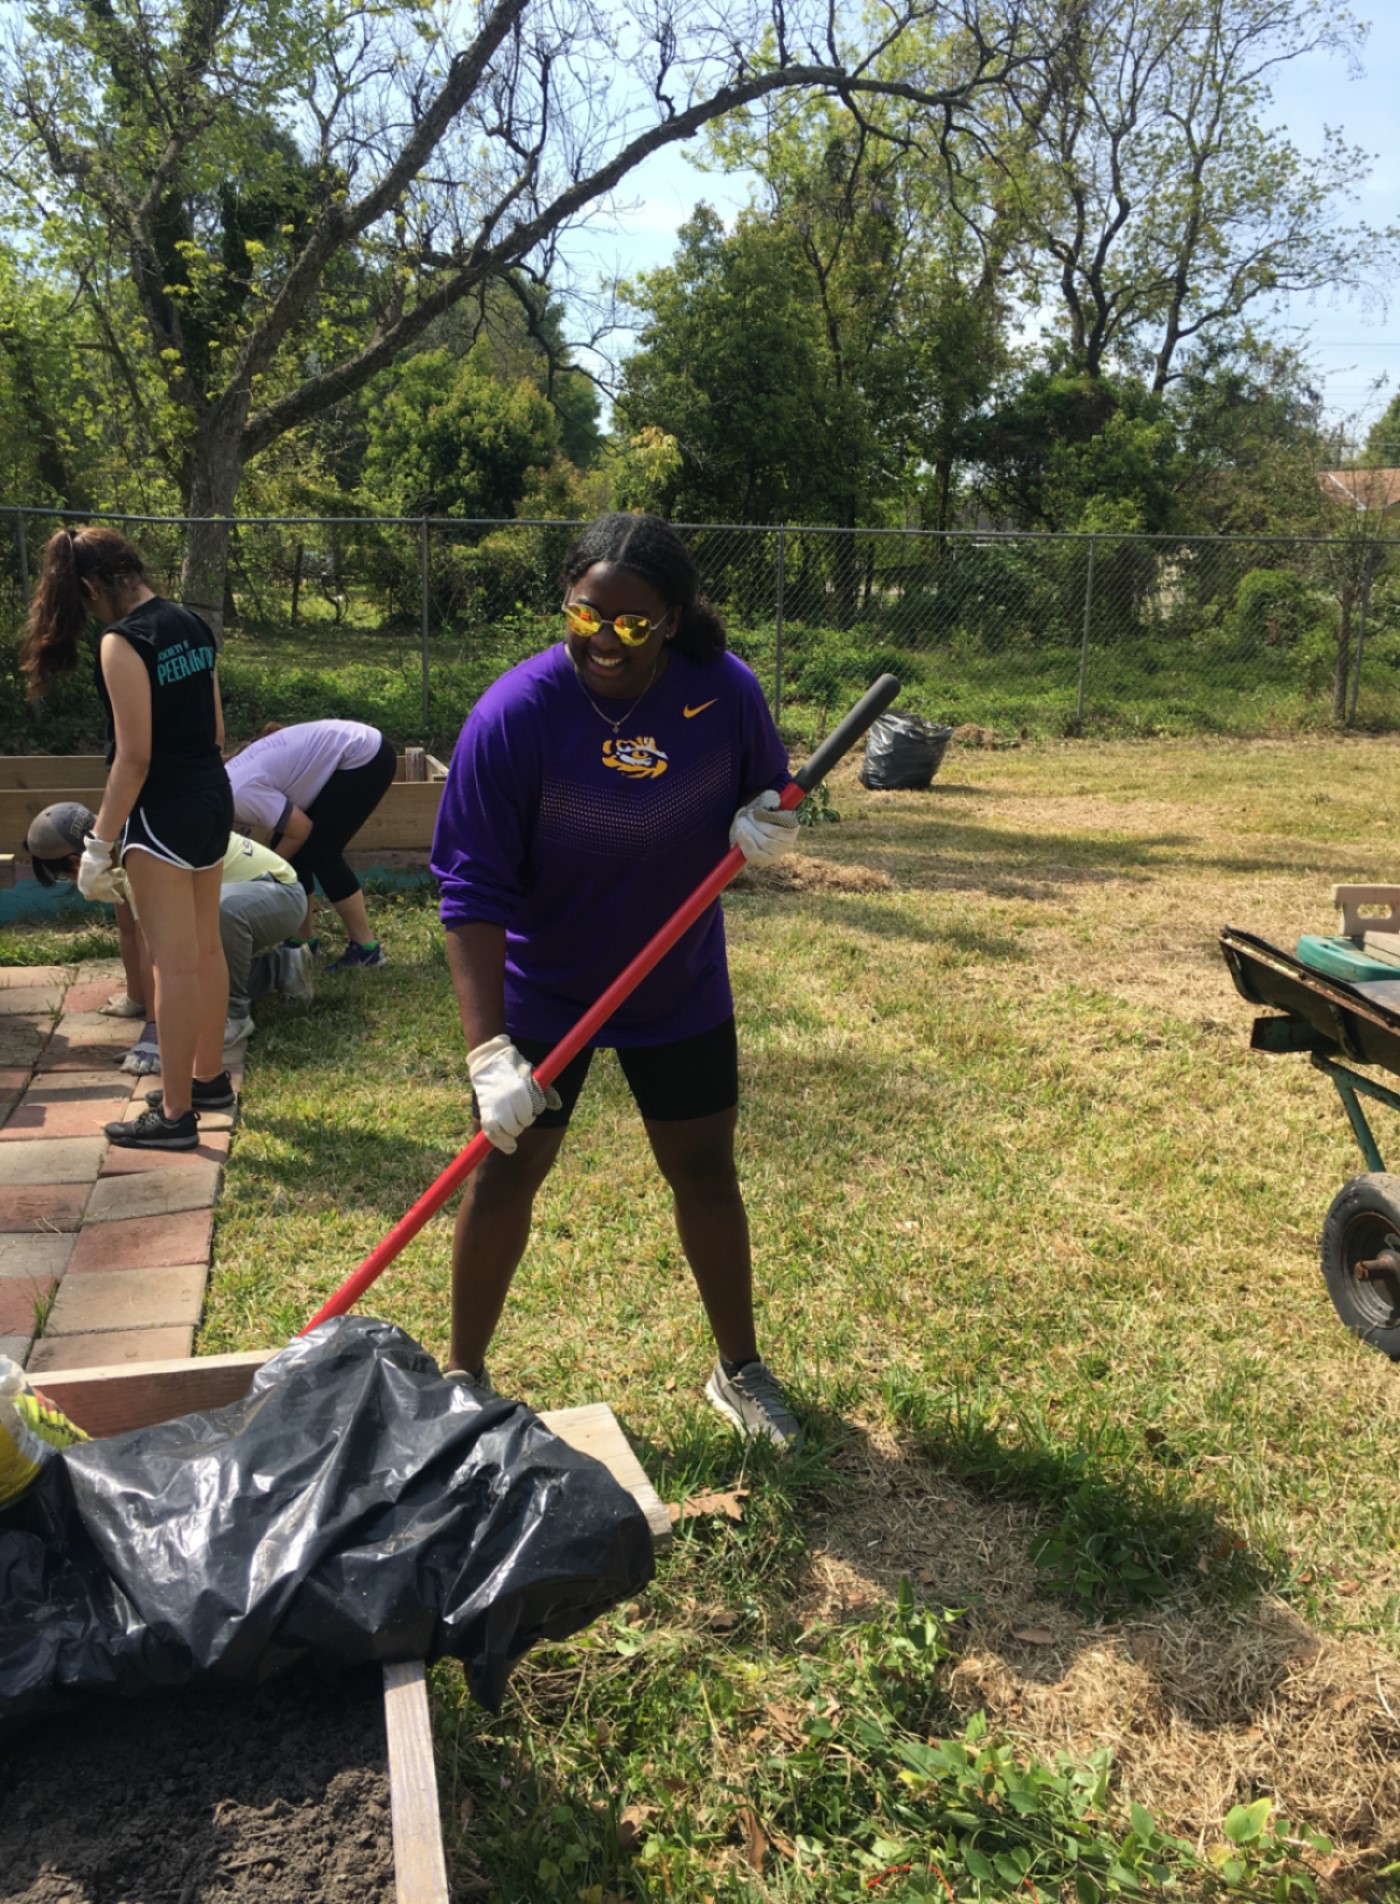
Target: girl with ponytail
[
  {"x": 162, "y": 829},
  {"x": 592, "y": 789}
]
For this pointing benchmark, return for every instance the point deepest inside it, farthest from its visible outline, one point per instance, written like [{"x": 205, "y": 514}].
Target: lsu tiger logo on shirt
[{"x": 639, "y": 759}]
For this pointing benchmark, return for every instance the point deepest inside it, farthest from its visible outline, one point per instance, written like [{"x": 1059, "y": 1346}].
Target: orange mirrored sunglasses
[{"x": 632, "y": 630}]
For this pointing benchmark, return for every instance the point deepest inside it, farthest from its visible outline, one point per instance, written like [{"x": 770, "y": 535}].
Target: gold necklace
[{"x": 616, "y": 725}]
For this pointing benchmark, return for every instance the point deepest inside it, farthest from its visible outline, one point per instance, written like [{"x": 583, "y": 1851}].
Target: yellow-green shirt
[{"x": 245, "y": 859}]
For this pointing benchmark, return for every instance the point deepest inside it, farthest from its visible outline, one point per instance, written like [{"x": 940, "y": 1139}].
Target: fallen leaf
[
  {"x": 1347, "y": 1586},
  {"x": 786, "y": 1721},
  {"x": 782, "y": 1847},
  {"x": 465, "y": 1811},
  {"x": 755, "y": 1842},
  {"x": 669, "y": 1384},
  {"x": 1033, "y": 1635},
  {"x": 730, "y": 1506},
  {"x": 632, "y": 1822}
]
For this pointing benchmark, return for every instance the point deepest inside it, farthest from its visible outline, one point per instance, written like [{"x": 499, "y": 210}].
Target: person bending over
[
  {"x": 313, "y": 786},
  {"x": 260, "y": 904},
  {"x": 591, "y": 790},
  {"x": 166, "y": 809}
]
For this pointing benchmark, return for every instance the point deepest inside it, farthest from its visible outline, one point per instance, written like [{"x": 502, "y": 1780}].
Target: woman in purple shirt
[{"x": 592, "y": 789}]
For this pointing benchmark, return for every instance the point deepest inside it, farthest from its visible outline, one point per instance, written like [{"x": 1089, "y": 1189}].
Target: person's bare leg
[
  {"x": 696, "y": 1156},
  {"x": 493, "y": 1227},
  {"x": 213, "y": 975},
  {"x": 355, "y": 918},
  {"x": 165, "y": 904}
]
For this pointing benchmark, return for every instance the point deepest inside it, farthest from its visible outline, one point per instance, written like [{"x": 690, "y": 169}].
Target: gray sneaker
[
  {"x": 754, "y": 1401},
  {"x": 478, "y": 1386}
]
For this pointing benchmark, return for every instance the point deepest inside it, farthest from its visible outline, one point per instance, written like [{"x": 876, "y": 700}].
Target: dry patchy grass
[{"x": 1009, "y": 1162}]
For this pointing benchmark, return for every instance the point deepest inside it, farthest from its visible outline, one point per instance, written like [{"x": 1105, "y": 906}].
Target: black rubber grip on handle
[{"x": 846, "y": 733}]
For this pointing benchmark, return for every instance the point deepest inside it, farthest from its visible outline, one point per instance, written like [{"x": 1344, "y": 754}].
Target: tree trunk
[
  {"x": 216, "y": 469},
  {"x": 1341, "y": 679}
]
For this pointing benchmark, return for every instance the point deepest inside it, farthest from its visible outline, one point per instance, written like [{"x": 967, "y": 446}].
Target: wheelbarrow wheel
[{"x": 1361, "y": 1259}]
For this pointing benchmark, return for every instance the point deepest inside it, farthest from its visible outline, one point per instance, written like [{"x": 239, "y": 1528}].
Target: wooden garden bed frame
[
  {"x": 402, "y": 822},
  {"x": 110, "y": 1400}
]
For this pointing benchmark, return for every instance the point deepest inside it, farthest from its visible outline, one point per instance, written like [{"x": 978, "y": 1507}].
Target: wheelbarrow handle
[{"x": 842, "y": 737}]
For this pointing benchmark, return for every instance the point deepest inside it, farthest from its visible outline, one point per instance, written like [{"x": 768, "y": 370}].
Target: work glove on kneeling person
[
  {"x": 763, "y": 830},
  {"x": 98, "y": 878},
  {"x": 508, "y": 1100}
]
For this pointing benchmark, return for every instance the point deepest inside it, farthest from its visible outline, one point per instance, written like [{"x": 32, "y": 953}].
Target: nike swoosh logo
[{"x": 691, "y": 712}]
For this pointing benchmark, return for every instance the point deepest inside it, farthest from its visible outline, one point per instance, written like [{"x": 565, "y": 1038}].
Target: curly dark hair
[
  {"x": 59, "y": 611},
  {"x": 651, "y": 549}
]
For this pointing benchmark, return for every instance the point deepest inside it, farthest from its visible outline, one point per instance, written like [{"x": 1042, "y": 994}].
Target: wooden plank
[
  {"x": 52, "y": 770},
  {"x": 404, "y": 819},
  {"x": 420, "y": 1869},
  {"x": 1350, "y": 900},
  {"x": 110, "y": 1399},
  {"x": 594, "y": 1430},
  {"x": 18, "y": 807}
]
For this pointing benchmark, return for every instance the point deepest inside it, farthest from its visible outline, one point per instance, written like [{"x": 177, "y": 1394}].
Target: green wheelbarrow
[{"x": 1338, "y": 1002}]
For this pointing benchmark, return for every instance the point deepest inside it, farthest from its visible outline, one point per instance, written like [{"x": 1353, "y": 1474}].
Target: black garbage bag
[
  {"x": 901, "y": 751},
  {"x": 353, "y": 1506}
]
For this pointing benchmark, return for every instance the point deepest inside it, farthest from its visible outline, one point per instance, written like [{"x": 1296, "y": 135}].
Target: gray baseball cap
[{"x": 54, "y": 836}]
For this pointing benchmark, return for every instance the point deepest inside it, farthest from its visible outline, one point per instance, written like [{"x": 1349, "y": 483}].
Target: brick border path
[{"x": 104, "y": 1252}]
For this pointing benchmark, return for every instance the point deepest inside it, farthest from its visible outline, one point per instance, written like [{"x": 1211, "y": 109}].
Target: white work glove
[
  {"x": 508, "y": 1100},
  {"x": 98, "y": 878},
  {"x": 763, "y": 830}
]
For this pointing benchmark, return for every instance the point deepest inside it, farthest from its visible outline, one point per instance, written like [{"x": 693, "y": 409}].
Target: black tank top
[{"x": 180, "y": 653}]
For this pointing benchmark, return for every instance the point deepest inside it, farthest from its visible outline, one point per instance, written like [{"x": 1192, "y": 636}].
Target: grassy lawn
[{"x": 1037, "y": 1244}]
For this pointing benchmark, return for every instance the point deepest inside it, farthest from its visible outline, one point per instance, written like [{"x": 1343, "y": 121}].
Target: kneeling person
[{"x": 261, "y": 903}]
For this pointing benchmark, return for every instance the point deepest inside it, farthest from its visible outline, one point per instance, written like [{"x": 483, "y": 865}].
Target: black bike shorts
[{"x": 693, "y": 1077}]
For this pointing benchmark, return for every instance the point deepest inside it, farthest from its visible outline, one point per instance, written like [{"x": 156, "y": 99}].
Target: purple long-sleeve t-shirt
[{"x": 582, "y": 843}]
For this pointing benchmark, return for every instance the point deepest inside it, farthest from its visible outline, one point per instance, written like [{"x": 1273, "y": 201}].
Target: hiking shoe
[
  {"x": 152, "y": 1131},
  {"x": 355, "y": 956},
  {"x": 292, "y": 966},
  {"x": 753, "y": 1400},
  {"x": 478, "y": 1386},
  {"x": 206, "y": 1094}
]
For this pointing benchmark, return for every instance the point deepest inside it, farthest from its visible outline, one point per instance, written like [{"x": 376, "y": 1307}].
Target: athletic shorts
[
  {"x": 189, "y": 828},
  {"x": 694, "y": 1077}
]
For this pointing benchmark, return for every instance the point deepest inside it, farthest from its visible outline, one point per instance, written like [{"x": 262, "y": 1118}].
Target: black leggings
[{"x": 337, "y": 813}]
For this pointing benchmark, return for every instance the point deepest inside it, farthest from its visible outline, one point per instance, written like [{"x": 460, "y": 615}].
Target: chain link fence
[{"x": 405, "y": 622}]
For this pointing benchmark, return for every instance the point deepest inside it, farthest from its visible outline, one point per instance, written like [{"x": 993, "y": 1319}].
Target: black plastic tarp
[{"x": 354, "y": 1506}]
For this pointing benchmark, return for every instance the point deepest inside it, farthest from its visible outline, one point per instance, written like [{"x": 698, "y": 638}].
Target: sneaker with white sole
[
  {"x": 752, "y": 1399},
  {"x": 477, "y": 1385},
  {"x": 237, "y": 1031}
]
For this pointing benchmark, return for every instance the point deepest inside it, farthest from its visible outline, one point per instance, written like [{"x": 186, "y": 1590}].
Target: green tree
[
  {"x": 1159, "y": 204},
  {"x": 1382, "y": 449},
  {"x": 730, "y": 365},
  {"x": 449, "y": 438},
  {"x": 294, "y": 191}
]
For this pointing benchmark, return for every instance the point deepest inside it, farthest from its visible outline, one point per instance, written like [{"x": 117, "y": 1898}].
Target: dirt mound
[{"x": 800, "y": 872}]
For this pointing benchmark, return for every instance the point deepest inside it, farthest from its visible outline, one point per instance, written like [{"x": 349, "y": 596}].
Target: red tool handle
[{"x": 841, "y": 739}]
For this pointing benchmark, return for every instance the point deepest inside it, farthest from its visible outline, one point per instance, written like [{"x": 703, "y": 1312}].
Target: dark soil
[{"x": 278, "y": 1794}]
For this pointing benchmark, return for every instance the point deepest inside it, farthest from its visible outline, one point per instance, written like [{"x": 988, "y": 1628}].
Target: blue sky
[{"x": 1352, "y": 341}]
